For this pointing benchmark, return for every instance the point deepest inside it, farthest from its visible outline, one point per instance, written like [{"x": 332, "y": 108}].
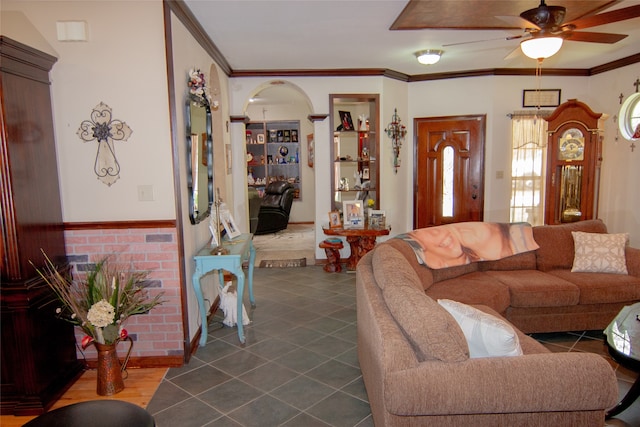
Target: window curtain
[{"x": 528, "y": 167}]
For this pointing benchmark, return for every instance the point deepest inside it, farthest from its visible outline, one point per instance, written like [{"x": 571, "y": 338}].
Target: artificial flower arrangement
[
  {"x": 101, "y": 303},
  {"x": 198, "y": 86}
]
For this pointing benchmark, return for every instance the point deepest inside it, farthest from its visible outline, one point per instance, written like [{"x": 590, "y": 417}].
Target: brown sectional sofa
[{"x": 413, "y": 372}]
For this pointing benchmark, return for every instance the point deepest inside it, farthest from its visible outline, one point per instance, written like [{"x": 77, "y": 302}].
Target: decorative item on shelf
[
  {"x": 100, "y": 304},
  {"x": 105, "y": 130},
  {"x": 397, "y": 132},
  {"x": 215, "y": 226},
  {"x": 345, "y": 120},
  {"x": 363, "y": 123}
]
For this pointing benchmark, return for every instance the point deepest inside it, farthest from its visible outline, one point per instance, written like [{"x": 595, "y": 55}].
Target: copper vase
[{"x": 109, "y": 370}]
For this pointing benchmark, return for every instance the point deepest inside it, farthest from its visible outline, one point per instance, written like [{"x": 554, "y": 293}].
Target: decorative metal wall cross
[{"x": 103, "y": 129}]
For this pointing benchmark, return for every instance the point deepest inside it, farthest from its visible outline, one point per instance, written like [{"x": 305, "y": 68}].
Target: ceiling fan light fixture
[
  {"x": 429, "y": 56},
  {"x": 541, "y": 47}
]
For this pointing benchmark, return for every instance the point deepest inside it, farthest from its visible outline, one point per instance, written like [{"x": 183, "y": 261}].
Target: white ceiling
[{"x": 354, "y": 34}]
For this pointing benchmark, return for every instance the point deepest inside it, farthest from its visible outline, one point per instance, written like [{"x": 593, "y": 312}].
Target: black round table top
[{"x": 95, "y": 413}]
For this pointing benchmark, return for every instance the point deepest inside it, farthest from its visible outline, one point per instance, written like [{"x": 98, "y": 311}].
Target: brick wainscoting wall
[{"x": 159, "y": 332}]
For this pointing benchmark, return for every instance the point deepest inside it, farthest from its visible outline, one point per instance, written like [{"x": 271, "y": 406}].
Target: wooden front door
[{"x": 449, "y": 176}]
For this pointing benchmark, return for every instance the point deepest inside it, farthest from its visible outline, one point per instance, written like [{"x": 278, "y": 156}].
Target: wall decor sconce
[
  {"x": 396, "y": 131},
  {"x": 105, "y": 130}
]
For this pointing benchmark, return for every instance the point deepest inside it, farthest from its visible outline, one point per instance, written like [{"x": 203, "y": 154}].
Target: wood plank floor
[{"x": 139, "y": 388}]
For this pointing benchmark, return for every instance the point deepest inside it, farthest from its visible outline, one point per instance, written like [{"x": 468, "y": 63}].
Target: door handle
[{"x": 474, "y": 196}]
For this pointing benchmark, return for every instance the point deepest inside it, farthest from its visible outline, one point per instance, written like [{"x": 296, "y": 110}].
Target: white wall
[
  {"x": 122, "y": 65},
  {"x": 619, "y": 191},
  {"x": 396, "y": 188},
  {"x": 188, "y": 54}
]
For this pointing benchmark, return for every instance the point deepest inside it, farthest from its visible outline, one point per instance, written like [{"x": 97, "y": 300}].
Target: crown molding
[{"x": 184, "y": 14}]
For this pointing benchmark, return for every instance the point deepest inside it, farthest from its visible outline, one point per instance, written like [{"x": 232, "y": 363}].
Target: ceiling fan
[{"x": 545, "y": 29}]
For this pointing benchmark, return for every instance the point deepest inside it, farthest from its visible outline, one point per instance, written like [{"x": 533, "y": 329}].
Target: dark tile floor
[{"x": 299, "y": 366}]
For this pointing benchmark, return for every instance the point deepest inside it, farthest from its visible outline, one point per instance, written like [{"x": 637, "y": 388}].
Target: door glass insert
[{"x": 447, "y": 182}]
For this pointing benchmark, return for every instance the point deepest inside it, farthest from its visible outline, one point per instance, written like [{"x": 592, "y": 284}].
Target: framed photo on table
[
  {"x": 334, "y": 220},
  {"x": 229, "y": 225},
  {"x": 353, "y": 214},
  {"x": 377, "y": 219}
]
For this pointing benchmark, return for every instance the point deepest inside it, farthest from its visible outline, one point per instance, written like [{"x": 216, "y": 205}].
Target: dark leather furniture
[
  {"x": 254, "y": 209},
  {"x": 275, "y": 207}
]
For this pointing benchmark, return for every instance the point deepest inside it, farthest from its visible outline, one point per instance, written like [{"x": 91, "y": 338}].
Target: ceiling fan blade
[
  {"x": 586, "y": 36},
  {"x": 518, "y": 22},
  {"x": 513, "y": 54},
  {"x": 606, "y": 17},
  {"x": 484, "y": 40}
]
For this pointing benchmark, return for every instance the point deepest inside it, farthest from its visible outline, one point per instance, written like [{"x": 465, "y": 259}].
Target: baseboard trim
[
  {"x": 145, "y": 362},
  {"x": 196, "y": 338}
]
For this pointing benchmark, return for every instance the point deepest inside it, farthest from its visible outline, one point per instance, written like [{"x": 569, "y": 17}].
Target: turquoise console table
[{"x": 239, "y": 249}]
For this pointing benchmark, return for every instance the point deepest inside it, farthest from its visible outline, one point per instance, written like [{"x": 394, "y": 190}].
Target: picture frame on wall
[
  {"x": 228, "y": 157},
  {"x": 540, "y": 97},
  {"x": 311, "y": 155}
]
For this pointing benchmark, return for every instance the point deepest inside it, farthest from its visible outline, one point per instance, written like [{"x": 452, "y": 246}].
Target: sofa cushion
[
  {"x": 524, "y": 261},
  {"x": 599, "y": 253},
  {"x": 473, "y": 288},
  {"x": 432, "y": 331},
  {"x": 532, "y": 288},
  {"x": 487, "y": 335},
  {"x": 556, "y": 249},
  {"x": 602, "y": 288}
]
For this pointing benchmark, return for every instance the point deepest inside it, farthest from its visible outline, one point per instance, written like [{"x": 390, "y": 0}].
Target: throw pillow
[
  {"x": 599, "y": 253},
  {"x": 487, "y": 336},
  {"x": 433, "y": 332}
]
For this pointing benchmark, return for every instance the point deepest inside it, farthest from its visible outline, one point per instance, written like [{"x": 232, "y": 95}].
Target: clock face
[{"x": 571, "y": 145}]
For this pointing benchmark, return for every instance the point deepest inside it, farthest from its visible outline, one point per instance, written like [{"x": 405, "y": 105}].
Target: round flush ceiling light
[
  {"x": 541, "y": 47},
  {"x": 429, "y": 56}
]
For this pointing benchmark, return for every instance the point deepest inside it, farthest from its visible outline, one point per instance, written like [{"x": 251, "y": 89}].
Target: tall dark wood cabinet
[{"x": 38, "y": 354}]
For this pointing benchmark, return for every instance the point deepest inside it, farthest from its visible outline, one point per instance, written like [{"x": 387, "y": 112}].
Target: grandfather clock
[{"x": 574, "y": 155}]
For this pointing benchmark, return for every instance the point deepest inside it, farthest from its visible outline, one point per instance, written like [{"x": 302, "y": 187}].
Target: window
[
  {"x": 629, "y": 117},
  {"x": 528, "y": 167}
]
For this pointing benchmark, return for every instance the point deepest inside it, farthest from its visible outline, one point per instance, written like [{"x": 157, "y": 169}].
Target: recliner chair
[{"x": 275, "y": 207}]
